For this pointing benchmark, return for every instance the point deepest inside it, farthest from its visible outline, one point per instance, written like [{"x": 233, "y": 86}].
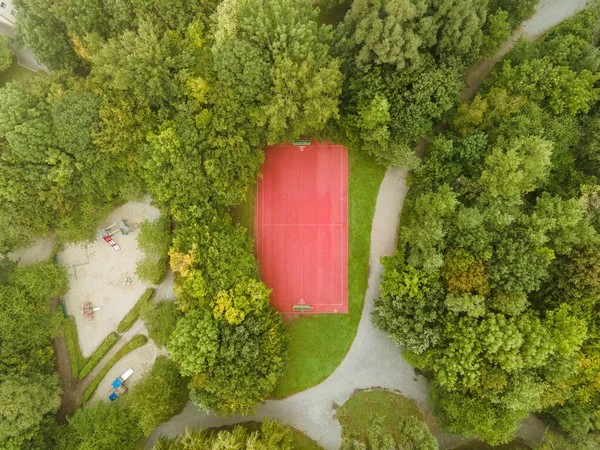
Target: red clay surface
[{"x": 302, "y": 226}]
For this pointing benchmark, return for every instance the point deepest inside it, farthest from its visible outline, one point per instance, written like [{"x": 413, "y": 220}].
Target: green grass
[
  {"x": 389, "y": 405},
  {"x": 243, "y": 214},
  {"x": 16, "y": 72},
  {"x": 69, "y": 328},
  {"x": 127, "y": 322},
  {"x": 517, "y": 444},
  {"x": 319, "y": 343},
  {"x": 91, "y": 362},
  {"x": 301, "y": 441},
  {"x": 137, "y": 341}
]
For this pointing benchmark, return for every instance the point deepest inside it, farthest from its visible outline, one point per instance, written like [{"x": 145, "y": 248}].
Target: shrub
[
  {"x": 108, "y": 343},
  {"x": 133, "y": 314},
  {"x": 161, "y": 394},
  {"x": 154, "y": 239},
  {"x": 161, "y": 321},
  {"x": 137, "y": 341},
  {"x": 69, "y": 328}
]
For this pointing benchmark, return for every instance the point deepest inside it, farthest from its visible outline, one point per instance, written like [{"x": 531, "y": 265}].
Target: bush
[
  {"x": 127, "y": 322},
  {"x": 154, "y": 239},
  {"x": 6, "y": 55},
  {"x": 69, "y": 328},
  {"x": 108, "y": 343},
  {"x": 161, "y": 321},
  {"x": 161, "y": 394},
  {"x": 137, "y": 341}
]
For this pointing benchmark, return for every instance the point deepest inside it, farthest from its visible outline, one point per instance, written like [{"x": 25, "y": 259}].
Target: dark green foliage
[
  {"x": 159, "y": 395},
  {"x": 102, "y": 426},
  {"x": 108, "y": 343},
  {"x": 29, "y": 389},
  {"x": 154, "y": 239},
  {"x": 272, "y": 434},
  {"x": 494, "y": 289},
  {"x": 127, "y": 322},
  {"x": 234, "y": 349},
  {"x": 160, "y": 321},
  {"x": 518, "y": 10}
]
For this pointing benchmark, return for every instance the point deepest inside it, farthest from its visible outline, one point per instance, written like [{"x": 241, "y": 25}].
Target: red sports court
[{"x": 302, "y": 227}]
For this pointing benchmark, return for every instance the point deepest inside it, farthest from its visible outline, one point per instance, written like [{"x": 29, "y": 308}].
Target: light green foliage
[
  {"x": 497, "y": 30},
  {"x": 6, "y": 55},
  {"x": 161, "y": 394},
  {"x": 101, "y": 426},
  {"x": 154, "y": 239},
  {"x": 26, "y": 402},
  {"x": 415, "y": 434},
  {"x": 160, "y": 321},
  {"x": 471, "y": 304},
  {"x": 235, "y": 351},
  {"x": 409, "y": 305},
  {"x": 379, "y": 438},
  {"x": 271, "y": 435},
  {"x": 288, "y": 78}
]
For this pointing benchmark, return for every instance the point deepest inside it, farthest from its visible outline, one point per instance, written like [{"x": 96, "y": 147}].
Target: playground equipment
[
  {"x": 122, "y": 226},
  {"x": 112, "y": 243},
  {"x": 88, "y": 310},
  {"x": 117, "y": 387}
]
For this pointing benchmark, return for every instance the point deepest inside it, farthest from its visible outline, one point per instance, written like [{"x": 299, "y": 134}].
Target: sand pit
[{"x": 97, "y": 272}]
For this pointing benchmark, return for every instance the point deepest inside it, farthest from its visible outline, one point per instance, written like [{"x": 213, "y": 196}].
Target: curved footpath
[{"x": 373, "y": 359}]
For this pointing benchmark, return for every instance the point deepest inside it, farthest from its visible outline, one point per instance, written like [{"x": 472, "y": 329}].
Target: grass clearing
[
  {"x": 137, "y": 341},
  {"x": 390, "y": 405},
  {"x": 16, "y": 73},
  {"x": 319, "y": 343}
]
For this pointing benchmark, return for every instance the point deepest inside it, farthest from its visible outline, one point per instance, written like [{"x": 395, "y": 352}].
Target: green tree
[
  {"x": 161, "y": 321},
  {"x": 101, "y": 426},
  {"x": 154, "y": 239},
  {"x": 293, "y": 82},
  {"x": 159, "y": 395},
  {"x": 26, "y": 402},
  {"x": 379, "y": 437},
  {"x": 235, "y": 351}
]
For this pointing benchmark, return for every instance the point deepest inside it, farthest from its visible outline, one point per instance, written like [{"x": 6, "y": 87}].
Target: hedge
[
  {"x": 134, "y": 312},
  {"x": 108, "y": 343},
  {"x": 70, "y": 331},
  {"x": 137, "y": 341}
]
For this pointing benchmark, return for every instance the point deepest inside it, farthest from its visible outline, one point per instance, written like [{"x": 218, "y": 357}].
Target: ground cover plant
[
  {"x": 493, "y": 289},
  {"x": 90, "y": 363},
  {"x": 319, "y": 343},
  {"x": 383, "y": 419}
]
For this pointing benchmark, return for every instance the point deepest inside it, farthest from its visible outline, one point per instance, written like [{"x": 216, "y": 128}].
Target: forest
[{"x": 493, "y": 293}]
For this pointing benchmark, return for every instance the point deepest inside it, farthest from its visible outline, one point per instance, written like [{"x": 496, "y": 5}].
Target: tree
[
  {"x": 6, "y": 55},
  {"x": 101, "y": 426},
  {"x": 161, "y": 321},
  {"x": 161, "y": 394},
  {"x": 26, "y": 401},
  {"x": 282, "y": 43},
  {"x": 272, "y": 434},
  {"x": 234, "y": 351},
  {"x": 154, "y": 239},
  {"x": 379, "y": 437}
]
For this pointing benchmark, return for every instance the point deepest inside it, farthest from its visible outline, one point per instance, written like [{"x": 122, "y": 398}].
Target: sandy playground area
[{"x": 97, "y": 273}]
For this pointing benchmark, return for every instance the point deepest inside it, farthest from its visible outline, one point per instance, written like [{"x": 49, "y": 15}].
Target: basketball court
[{"x": 302, "y": 227}]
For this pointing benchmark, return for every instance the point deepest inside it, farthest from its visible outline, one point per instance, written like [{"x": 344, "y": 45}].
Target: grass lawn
[
  {"x": 301, "y": 441},
  {"x": 319, "y": 343},
  {"x": 391, "y": 406},
  {"x": 15, "y": 72},
  {"x": 243, "y": 214}
]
